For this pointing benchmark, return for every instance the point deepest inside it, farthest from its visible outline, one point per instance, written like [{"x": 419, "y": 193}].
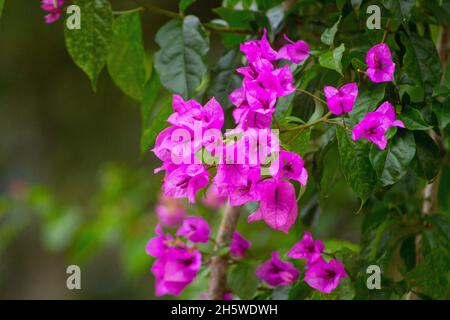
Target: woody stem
[{"x": 219, "y": 264}]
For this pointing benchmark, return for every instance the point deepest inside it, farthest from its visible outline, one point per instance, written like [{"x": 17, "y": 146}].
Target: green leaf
[
  {"x": 326, "y": 169},
  {"x": 89, "y": 45},
  {"x": 441, "y": 91},
  {"x": 126, "y": 59},
  {"x": 344, "y": 291},
  {"x": 276, "y": 17},
  {"x": 356, "y": 165},
  {"x": 154, "y": 112},
  {"x": 181, "y": 61},
  {"x": 427, "y": 161},
  {"x": 184, "y": 4},
  {"x": 442, "y": 112},
  {"x": 401, "y": 8},
  {"x": 392, "y": 163},
  {"x": 299, "y": 291},
  {"x": 368, "y": 99},
  {"x": 421, "y": 62},
  {"x": 243, "y": 280},
  {"x": 413, "y": 119},
  {"x": 332, "y": 59},
  {"x": 225, "y": 79},
  {"x": 327, "y": 36},
  {"x": 431, "y": 276},
  {"x": 296, "y": 140},
  {"x": 408, "y": 252}
]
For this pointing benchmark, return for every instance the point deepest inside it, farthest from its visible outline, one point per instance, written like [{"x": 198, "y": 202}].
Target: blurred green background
[{"x": 74, "y": 188}]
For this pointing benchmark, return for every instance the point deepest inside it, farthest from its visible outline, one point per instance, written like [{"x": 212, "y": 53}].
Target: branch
[
  {"x": 163, "y": 12},
  {"x": 219, "y": 264}
]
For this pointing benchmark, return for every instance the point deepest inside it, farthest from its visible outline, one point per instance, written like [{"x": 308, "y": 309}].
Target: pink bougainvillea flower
[
  {"x": 255, "y": 68},
  {"x": 295, "y": 52},
  {"x": 195, "y": 228},
  {"x": 380, "y": 67},
  {"x": 276, "y": 272},
  {"x": 258, "y": 49},
  {"x": 307, "y": 249},
  {"x": 278, "y": 205},
  {"x": 176, "y": 269},
  {"x": 289, "y": 165},
  {"x": 324, "y": 276},
  {"x": 53, "y": 7},
  {"x": 215, "y": 197},
  {"x": 231, "y": 175},
  {"x": 185, "y": 181},
  {"x": 375, "y": 125},
  {"x": 246, "y": 118},
  {"x": 259, "y": 98},
  {"x": 157, "y": 246},
  {"x": 341, "y": 100},
  {"x": 171, "y": 212},
  {"x": 239, "y": 245},
  {"x": 176, "y": 145},
  {"x": 278, "y": 80},
  {"x": 240, "y": 195},
  {"x": 187, "y": 113}
]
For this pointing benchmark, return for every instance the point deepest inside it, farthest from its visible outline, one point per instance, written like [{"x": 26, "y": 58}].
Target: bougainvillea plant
[{"x": 321, "y": 94}]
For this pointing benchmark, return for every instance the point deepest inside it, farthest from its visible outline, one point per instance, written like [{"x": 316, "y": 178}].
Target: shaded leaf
[
  {"x": 243, "y": 281},
  {"x": 225, "y": 78},
  {"x": 401, "y": 8},
  {"x": 421, "y": 62},
  {"x": 391, "y": 164},
  {"x": 413, "y": 119},
  {"x": 427, "y": 156},
  {"x": 442, "y": 112},
  {"x": 181, "y": 61},
  {"x": 355, "y": 164},
  {"x": 430, "y": 276}
]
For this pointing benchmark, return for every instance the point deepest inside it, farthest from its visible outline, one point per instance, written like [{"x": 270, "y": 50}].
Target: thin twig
[
  {"x": 312, "y": 95},
  {"x": 128, "y": 11},
  {"x": 163, "y": 12}
]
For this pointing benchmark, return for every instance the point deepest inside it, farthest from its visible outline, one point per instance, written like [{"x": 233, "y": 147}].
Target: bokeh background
[{"x": 74, "y": 187}]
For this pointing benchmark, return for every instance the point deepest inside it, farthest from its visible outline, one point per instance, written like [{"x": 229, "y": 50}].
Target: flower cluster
[
  {"x": 239, "y": 181},
  {"x": 320, "y": 274},
  {"x": 178, "y": 259},
  {"x": 53, "y": 7},
  {"x": 374, "y": 125},
  {"x": 177, "y": 262}
]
